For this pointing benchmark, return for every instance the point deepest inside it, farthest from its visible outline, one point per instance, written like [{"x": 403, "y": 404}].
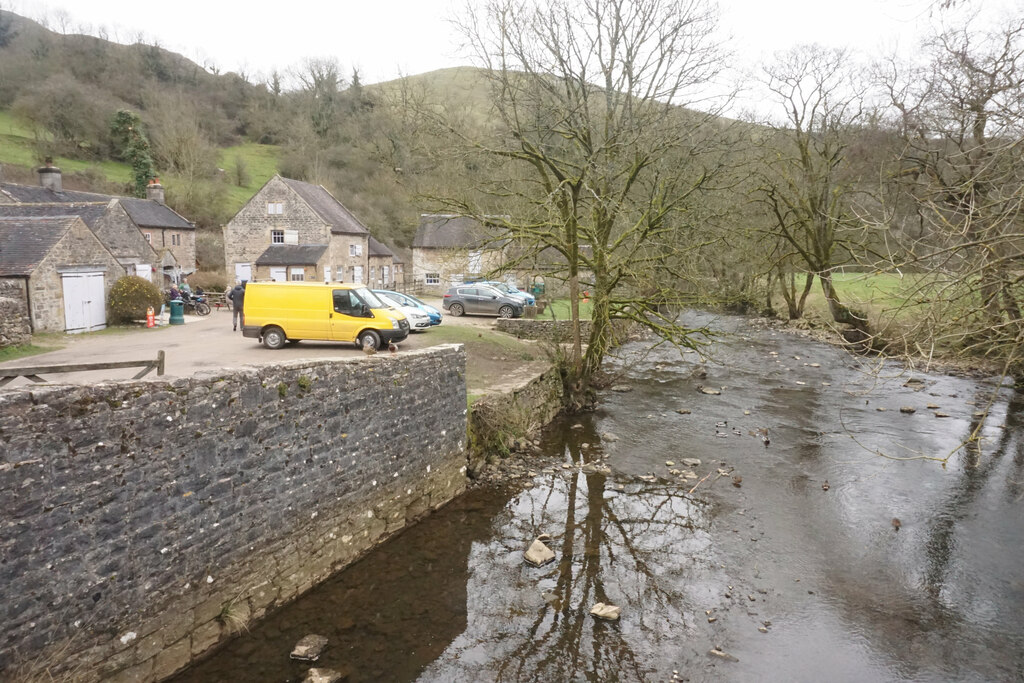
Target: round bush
[{"x": 131, "y": 296}]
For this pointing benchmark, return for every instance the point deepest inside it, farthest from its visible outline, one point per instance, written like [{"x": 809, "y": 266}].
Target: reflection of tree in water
[{"x": 610, "y": 548}]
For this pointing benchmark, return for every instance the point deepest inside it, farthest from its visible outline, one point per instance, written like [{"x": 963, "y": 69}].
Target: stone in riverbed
[
  {"x": 689, "y": 462},
  {"x": 309, "y": 648},
  {"x": 708, "y": 391},
  {"x": 909, "y": 410},
  {"x": 722, "y": 655},
  {"x": 539, "y": 554},
  {"x": 683, "y": 411},
  {"x": 606, "y": 612},
  {"x": 622, "y": 388},
  {"x": 323, "y": 676},
  {"x": 608, "y": 436}
]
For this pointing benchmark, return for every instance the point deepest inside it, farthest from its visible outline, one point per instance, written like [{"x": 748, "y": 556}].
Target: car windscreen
[
  {"x": 370, "y": 299},
  {"x": 388, "y": 300}
]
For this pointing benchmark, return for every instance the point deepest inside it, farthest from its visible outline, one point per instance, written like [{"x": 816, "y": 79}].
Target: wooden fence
[{"x": 8, "y": 375}]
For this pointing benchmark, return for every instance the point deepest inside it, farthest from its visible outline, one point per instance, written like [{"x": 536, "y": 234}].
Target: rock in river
[
  {"x": 690, "y": 462},
  {"x": 309, "y": 648},
  {"x": 607, "y": 612},
  {"x": 539, "y": 554},
  {"x": 608, "y": 436},
  {"x": 323, "y": 676}
]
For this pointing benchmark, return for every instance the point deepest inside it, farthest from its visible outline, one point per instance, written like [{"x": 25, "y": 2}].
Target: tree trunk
[{"x": 840, "y": 313}]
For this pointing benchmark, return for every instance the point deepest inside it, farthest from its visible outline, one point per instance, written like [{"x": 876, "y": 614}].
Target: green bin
[
  {"x": 537, "y": 289},
  {"x": 177, "y": 312}
]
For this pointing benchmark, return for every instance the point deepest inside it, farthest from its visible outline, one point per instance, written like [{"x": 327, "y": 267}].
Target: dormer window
[{"x": 275, "y": 208}]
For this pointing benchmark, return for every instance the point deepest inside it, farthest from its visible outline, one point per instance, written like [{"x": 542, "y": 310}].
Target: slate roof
[
  {"x": 330, "y": 210},
  {"x": 89, "y": 213},
  {"x": 149, "y": 213},
  {"x": 25, "y": 241},
  {"x": 146, "y": 213},
  {"x": 445, "y": 231},
  {"x": 378, "y": 248},
  {"x": 291, "y": 255}
]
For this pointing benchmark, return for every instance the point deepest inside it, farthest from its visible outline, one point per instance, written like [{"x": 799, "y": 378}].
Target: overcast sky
[{"x": 385, "y": 38}]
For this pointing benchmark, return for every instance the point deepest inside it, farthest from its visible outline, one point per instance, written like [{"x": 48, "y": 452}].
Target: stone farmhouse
[
  {"x": 296, "y": 231},
  {"x": 450, "y": 249},
  {"x": 55, "y": 275},
  {"x": 147, "y": 237}
]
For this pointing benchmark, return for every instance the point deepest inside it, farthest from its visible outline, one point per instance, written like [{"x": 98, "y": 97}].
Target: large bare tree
[
  {"x": 605, "y": 126},
  {"x": 959, "y": 111},
  {"x": 807, "y": 184}
]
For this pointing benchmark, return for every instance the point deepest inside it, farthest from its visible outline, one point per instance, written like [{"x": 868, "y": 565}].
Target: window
[
  {"x": 275, "y": 208},
  {"x": 175, "y": 239},
  {"x": 386, "y": 274},
  {"x": 277, "y": 236},
  {"x": 372, "y": 272},
  {"x": 433, "y": 278},
  {"x": 348, "y": 302},
  {"x": 355, "y": 250},
  {"x": 475, "y": 261},
  {"x": 148, "y": 236},
  {"x": 297, "y": 274}
]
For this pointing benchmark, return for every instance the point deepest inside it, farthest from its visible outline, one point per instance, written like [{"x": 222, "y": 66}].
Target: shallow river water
[{"x": 794, "y": 582}]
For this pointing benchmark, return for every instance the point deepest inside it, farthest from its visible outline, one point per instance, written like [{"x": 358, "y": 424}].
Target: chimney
[
  {"x": 49, "y": 176},
  {"x": 155, "y": 190}
]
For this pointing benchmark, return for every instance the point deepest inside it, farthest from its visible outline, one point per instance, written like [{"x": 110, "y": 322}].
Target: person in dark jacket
[{"x": 237, "y": 298}]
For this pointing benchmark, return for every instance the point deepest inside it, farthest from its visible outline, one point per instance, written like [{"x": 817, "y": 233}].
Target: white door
[
  {"x": 279, "y": 274},
  {"x": 357, "y": 274},
  {"x": 387, "y": 275},
  {"x": 84, "y": 306},
  {"x": 144, "y": 270},
  {"x": 243, "y": 271},
  {"x": 327, "y": 273}
]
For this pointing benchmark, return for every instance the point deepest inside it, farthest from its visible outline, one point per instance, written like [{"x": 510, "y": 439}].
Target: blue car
[
  {"x": 528, "y": 299},
  {"x": 413, "y": 302}
]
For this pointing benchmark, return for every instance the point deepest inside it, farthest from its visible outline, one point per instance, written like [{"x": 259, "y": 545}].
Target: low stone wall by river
[
  {"x": 146, "y": 521},
  {"x": 560, "y": 330}
]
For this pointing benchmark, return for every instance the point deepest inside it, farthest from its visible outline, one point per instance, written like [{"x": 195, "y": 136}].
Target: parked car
[
  {"x": 481, "y": 300},
  {"x": 413, "y": 302},
  {"x": 281, "y": 312},
  {"x": 511, "y": 290},
  {"x": 418, "y": 320}
]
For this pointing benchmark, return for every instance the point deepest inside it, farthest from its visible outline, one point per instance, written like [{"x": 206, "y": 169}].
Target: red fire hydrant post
[{"x": 150, "y": 318}]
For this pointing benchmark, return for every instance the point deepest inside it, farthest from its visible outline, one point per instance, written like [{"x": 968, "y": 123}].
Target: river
[{"x": 792, "y": 580}]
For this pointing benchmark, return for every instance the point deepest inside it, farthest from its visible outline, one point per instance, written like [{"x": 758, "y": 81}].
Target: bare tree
[
  {"x": 806, "y": 181},
  {"x": 959, "y": 111},
  {"x": 600, "y": 158}
]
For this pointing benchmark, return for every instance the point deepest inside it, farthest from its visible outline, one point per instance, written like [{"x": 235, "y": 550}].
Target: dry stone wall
[
  {"x": 14, "y": 320},
  {"x": 144, "y": 521}
]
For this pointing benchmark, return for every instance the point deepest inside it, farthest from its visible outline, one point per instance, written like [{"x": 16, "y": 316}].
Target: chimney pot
[
  {"x": 155, "y": 190},
  {"x": 49, "y": 176}
]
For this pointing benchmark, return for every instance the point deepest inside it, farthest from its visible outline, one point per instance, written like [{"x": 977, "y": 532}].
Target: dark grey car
[{"x": 481, "y": 300}]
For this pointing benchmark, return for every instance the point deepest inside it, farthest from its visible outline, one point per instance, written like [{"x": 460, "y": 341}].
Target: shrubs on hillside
[{"x": 131, "y": 296}]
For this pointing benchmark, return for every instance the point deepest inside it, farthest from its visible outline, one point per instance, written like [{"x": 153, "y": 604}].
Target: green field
[{"x": 260, "y": 164}]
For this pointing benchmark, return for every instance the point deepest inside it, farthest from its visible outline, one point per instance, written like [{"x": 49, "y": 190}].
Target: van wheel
[
  {"x": 506, "y": 312},
  {"x": 369, "y": 338},
  {"x": 274, "y": 338},
  {"x": 456, "y": 310}
]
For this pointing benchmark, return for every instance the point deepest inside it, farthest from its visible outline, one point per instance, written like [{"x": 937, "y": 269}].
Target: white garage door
[
  {"x": 144, "y": 270},
  {"x": 279, "y": 274},
  {"x": 84, "y": 306},
  {"x": 243, "y": 271}
]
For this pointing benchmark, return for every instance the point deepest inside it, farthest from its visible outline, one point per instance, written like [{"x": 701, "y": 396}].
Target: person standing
[{"x": 237, "y": 298}]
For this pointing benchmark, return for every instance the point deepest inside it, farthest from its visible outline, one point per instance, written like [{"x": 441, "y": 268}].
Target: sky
[{"x": 388, "y": 38}]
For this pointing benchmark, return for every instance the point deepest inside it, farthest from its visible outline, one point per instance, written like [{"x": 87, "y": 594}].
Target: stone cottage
[
  {"x": 450, "y": 249},
  {"x": 58, "y": 271},
  {"x": 292, "y": 231},
  {"x": 147, "y": 237}
]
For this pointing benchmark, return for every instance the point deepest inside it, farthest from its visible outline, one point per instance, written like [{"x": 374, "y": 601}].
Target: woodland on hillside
[{"x": 909, "y": 172}]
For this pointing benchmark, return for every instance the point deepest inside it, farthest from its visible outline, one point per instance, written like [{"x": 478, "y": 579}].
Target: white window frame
[
  {"x": 296, "y": 274},
  {"x": 175, "y": 239},
  {"x": 275, "y": 234},
  {"x": 355, "y": 250},
  {"x": 275, "y": 208},
  {"x": 432, "y": 278}
]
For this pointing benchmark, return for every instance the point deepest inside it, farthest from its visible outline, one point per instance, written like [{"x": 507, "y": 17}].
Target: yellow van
[{"x": 280, "y": 312}]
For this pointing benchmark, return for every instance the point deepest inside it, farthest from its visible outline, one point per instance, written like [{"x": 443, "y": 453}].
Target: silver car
[{"x": 475, "y": 299}]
